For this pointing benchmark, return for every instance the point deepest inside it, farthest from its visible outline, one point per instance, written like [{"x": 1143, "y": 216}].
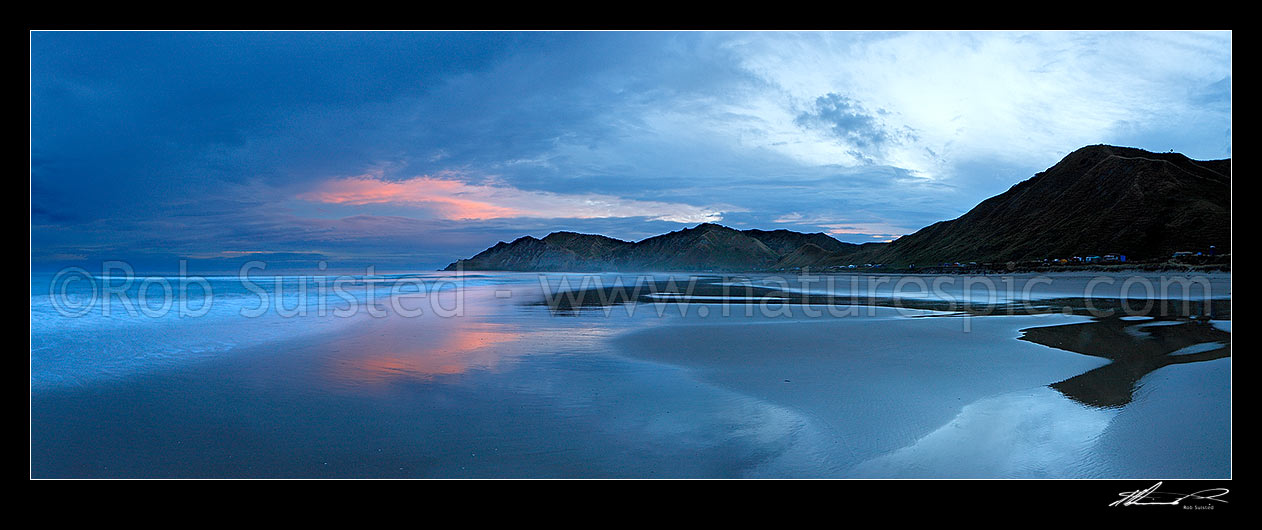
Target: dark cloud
[{"x": 852, "y": 123}]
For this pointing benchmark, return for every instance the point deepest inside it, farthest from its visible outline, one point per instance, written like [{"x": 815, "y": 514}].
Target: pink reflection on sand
[{"x": 383, "y": 358}]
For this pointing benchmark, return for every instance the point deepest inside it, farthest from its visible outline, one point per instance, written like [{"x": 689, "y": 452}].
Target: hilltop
[
  {"x": 1097, "y": 200},
  {"x": 707, "y": 246}
]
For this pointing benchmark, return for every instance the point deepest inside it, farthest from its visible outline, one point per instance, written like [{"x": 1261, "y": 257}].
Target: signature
[{"x": 1152, "y": 497}]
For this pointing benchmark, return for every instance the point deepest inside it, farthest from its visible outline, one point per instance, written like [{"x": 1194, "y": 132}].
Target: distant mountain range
[{"x": 1097, "y": 200}]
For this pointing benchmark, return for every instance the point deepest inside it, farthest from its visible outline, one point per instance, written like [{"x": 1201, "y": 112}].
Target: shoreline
[{"x": 894, "y": 271}]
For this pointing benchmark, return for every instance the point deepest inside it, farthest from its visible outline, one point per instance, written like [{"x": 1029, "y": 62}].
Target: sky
[{"x": 409, "y": 150}]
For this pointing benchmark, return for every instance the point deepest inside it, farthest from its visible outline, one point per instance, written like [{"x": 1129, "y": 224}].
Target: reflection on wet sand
[
  {"x": 1038, "y": 433},
  {"x": 1034, "y": 433},
  {"x": 1136, "y": 347},
  {"x": 383, "y": 358}
]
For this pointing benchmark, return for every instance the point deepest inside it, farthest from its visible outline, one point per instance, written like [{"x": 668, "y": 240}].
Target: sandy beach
[{"x": 512, "y": 388}]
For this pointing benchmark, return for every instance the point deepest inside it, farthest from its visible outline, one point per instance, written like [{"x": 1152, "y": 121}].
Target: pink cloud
[
  {"x": 457, "y": 200},
  {"x": 445, "y": 196}
]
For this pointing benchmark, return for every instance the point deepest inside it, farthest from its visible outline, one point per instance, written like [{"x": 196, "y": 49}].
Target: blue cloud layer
[{"x": 153, "y": 146}]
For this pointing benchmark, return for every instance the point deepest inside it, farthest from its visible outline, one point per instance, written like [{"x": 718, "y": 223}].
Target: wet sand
[
  {"x": 515, "y": 389},
  {"x": 897, "y": 397}
]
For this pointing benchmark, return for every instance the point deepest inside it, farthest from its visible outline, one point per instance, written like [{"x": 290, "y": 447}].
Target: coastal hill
[
  {"x": 1098, "y": 200},
  {"x": 707, "y": 246}
]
